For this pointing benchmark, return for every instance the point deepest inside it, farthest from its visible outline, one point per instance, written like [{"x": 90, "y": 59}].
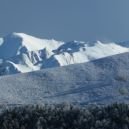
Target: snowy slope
[
  {"x": 101, "y": 81},
  {"x": 20, "y": 53}
]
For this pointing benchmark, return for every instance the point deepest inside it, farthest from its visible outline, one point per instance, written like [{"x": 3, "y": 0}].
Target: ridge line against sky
[{"x": 83, "y": 20}]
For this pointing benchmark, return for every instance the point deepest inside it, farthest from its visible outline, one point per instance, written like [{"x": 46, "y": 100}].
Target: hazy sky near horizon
[{"x": 85, "y": 20}]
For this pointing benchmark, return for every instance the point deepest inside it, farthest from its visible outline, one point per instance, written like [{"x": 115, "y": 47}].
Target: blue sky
[{"x": 67, "y": 20}]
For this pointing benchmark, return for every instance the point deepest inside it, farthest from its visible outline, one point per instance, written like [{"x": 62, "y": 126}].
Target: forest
[{"x": 66, "y": 116}]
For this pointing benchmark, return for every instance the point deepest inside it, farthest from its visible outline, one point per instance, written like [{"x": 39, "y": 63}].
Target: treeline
[{"x": 115, "y": 116}]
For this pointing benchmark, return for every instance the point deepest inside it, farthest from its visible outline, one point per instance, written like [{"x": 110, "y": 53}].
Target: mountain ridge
[
  {"x": 20, "y": 53},
  {"x": 101, "y": 81}
]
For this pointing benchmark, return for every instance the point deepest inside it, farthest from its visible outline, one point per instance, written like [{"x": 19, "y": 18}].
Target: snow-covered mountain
[
  {"x": 102, "y": 81},
  {"x": 102, "y": 75},
  {"x": 20, "y": 53}
]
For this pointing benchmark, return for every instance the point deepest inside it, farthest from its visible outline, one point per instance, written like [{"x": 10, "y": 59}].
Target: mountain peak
[
  {"x": 17, "y": 34},
  {"x": 14, "y": 35},
  {"x": 20, "y": 35},
  {"x": 27, "y": 53}
]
